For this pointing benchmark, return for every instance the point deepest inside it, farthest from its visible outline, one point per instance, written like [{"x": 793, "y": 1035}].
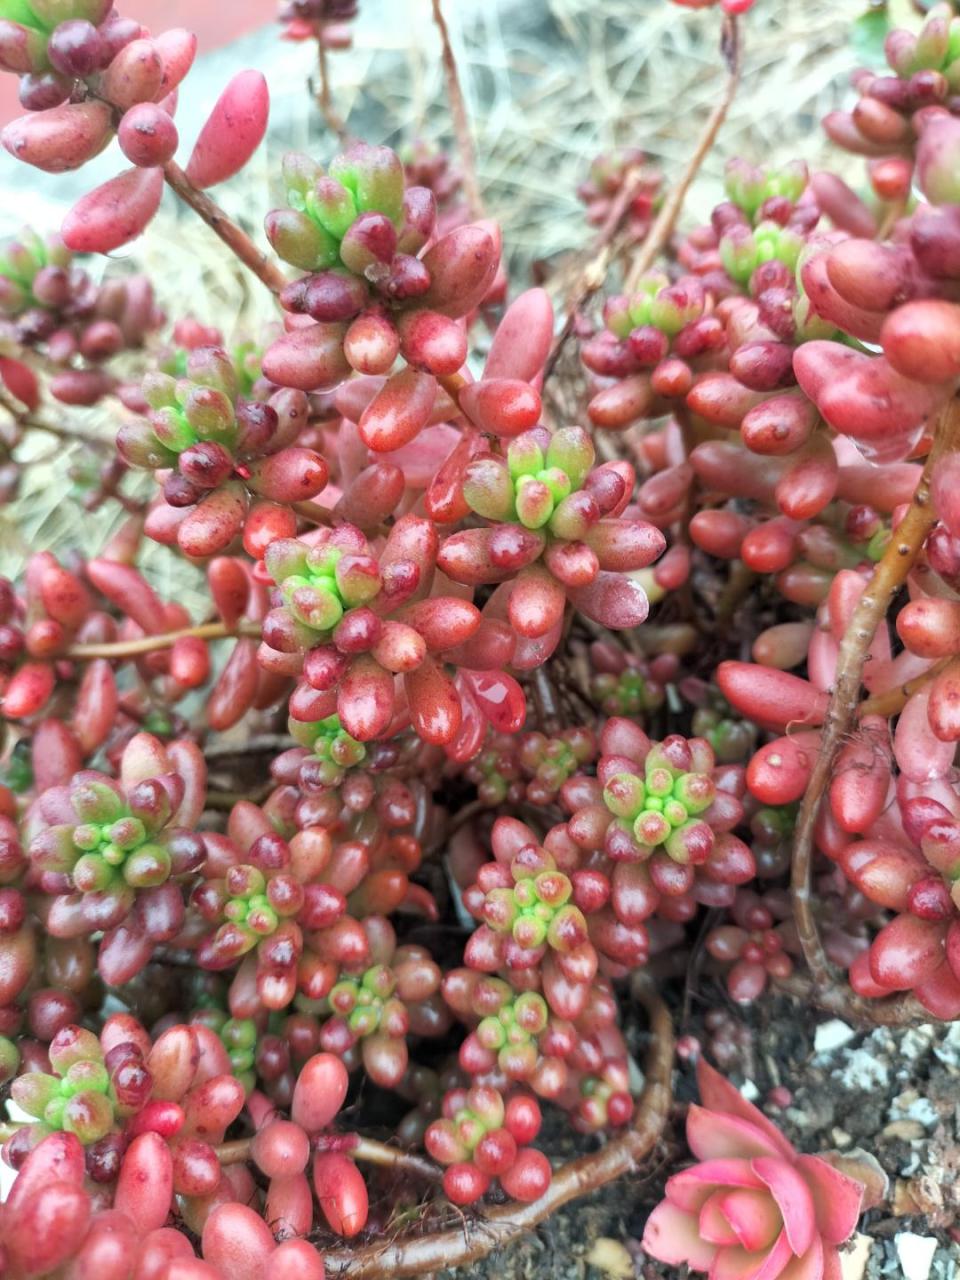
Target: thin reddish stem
[
  {"x": 234, "y": 237},
  {"x": 324, "y": 94}
]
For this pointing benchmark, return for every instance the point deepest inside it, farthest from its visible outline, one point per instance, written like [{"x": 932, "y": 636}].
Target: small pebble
[
  {"x": 612, "y": 1258},
  {"x": 915, "y": 1254},
  {"x": 832, "y": 1035},
  {"x": 853, "y": 1258}
]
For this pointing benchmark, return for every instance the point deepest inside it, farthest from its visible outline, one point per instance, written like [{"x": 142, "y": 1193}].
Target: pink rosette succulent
[{"x": 753, "y": 1208}]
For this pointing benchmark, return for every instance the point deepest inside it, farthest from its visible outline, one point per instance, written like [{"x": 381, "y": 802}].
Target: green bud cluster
[
  {"x": 512, "y": 1027},
  {"x": 22, "y": 260},
  {"x": 246, "y": 358},
  {"x": 77, "y": 1097},
  {"x": 733, "y": 740},
  {"x": 534, "y": 485},
  {"x": 549, "y": 762},
  {"x": 114, "y": 844},
  {"x": 495, "y": 772},
  {"x": 742, "y": 250},
  {"x": 331, "y": 745},
  {"x": 935, "y": 47},
  {"x": 367, "y": 1003},
  {"x": 629, "y": 693},
  {"x": 196, "y": 407},
  {"x": 456, "y": 1136},
  {"x": 662, "y": 807},
  {"x": 313, "y": 233},
  {"x": 318, "y": 584},
  {"x": 537, "y": 911},
  {"x": 656, "y": 304},
  {"x": 248, "y": 905},
  {"x": 748, "y": 187}
]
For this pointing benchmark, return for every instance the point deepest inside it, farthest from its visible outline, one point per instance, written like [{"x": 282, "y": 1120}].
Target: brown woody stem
[
  {"x": 887, "y": 578},
  {"x": 500, "y": 1225},
  {"x": 165, "y": 640},
  {"x": 838, "y": 999},
  {"x": 666, "y": 219},
  {"x": 458, "y": 113},
  {"x": 234, "y": 237}
]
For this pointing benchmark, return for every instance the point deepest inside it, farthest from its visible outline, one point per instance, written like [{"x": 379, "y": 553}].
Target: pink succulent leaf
[
  {"x": 739, "y": 1264},
  {"x": 673, "y": 1236},
  {"x": 712, "y": 1136},
  {"x": 754, "y": 1218},
  {"x": 809, "y": 1267},
  {"x": 113, "y": 214},
  {"x": 837, "y": 1199},
  {"x": 794, "y": 1200},
  {"x": 691, "y": 1187},
  {"x": 718, "y": 1094},
  {"x": 143, "y": 757},
  {"x": 232, "y": 132},
  {"x": 831, "y": 1263},
  {"x": 714, "y": 1225}
]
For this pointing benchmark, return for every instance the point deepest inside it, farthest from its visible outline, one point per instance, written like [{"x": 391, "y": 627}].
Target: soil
[{"x": 893, "y": 1093}]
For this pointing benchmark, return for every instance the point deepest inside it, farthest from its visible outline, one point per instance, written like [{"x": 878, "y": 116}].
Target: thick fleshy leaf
[
  {"x": 753, "y": 1216},
  {"x": 233, "y": 130},
  {"x": 714, "y": 1226},
  {"x": 794, "y": 1200},
  {"x": 738, "y": 1264},
  {"x": 718, "y": 1094},
  {"x": 714, "y": 1136},
  {"x": 613, "y": 600},
  {"x": 809, "y": 1266},
  {"x": 673, "y": 1236},
  {"x": 836, "y": 1198},
  {"x": 115, "y": 213},
  {"x": 61, "y": 138},
  {"x": 832, "y": 1269},
  {"x": 690, "y": 1188}
]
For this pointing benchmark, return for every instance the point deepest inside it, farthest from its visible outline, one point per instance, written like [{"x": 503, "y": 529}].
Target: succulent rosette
[{"x": 753, "y": 1207}]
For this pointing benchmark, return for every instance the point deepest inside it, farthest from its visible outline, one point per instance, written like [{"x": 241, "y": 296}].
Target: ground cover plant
[{"x": 550, "y": 655}]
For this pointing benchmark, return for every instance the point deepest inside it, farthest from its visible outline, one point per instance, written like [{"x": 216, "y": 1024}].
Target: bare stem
[
  {"x": 458, "y": 113},
  {"x": 380, "y": 1153},
  {"x": 324, "y": 96},
  {"x": 887, "y": 578},
  {"x": 165, "y": 640},
  {"x": 366, "y": 1150},
  {"x": 234, "y": 237},
  {"x": 666, "y": 219},
  {"x": 500, "y": 1225}
]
